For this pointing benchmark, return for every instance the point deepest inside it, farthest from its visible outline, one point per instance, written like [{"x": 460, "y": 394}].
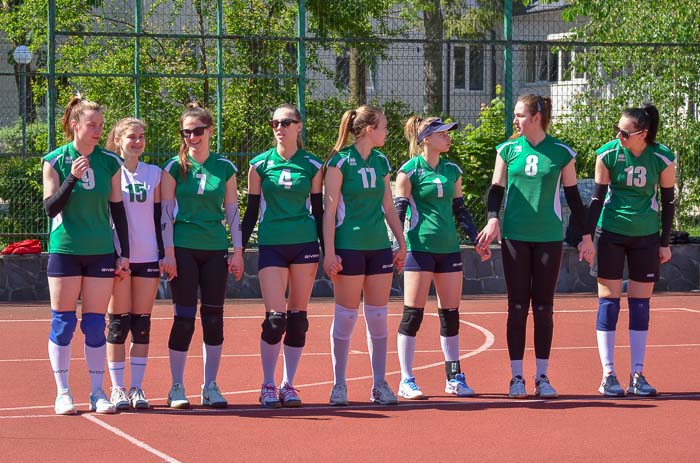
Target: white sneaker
[
  {"x": 383, "y": 395},
  {"x": 339, "y": 396},
  {"x": 138, "y": 399},
  {"x": 100, "y": 404},
  {"x": 119, "y": 398},
  {"x": 544, "y": 389},
  {"x": 408, "y": 389},
  {"x": 458, "y": 386},
  {"x": 211, "y": 396},
  {"x": 177, "y": 397},
  {"x": 64, "y": 403},
  {"x": 517, "y": 388}
]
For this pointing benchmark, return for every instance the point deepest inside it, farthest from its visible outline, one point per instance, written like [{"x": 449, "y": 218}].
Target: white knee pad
[
  {"x": 375, "y": 319},
  {"x": 343, "y": 323}
]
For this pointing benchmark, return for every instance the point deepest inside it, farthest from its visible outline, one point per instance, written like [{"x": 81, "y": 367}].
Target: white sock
[
  {"x": 450, "y": 348},
  {"x": 292, "y": 355},
  {"x": 95, "y": 357},
  {"x": 60, "y": 364},
  {"x": 116, "y": 373},
  {"x": 377, "y": 339},
  {"x": 138, "y": 368},
  {"x": 606, "y": 350},
  {"x": 212, "y": 359},
  {"x": 638, "y": 347},
  {"x": 406, "y": 345},
  {"x": 269, "y": 353},
  {"x": 516, "y": 367},
  {"x": 177, "y": 365},
  {"x": 542, "y": 365},
  {"x": 343, "y": 325}
]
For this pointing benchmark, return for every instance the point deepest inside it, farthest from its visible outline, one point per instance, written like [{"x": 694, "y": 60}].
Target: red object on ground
[{"x": 23, "y": 247}]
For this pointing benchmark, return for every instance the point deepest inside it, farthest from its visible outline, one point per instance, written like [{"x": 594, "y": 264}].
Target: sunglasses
[
  {"x": 197, "y": 131},
  {"x": 284, "y": 123},
  {"x": 625, "y": 134}
]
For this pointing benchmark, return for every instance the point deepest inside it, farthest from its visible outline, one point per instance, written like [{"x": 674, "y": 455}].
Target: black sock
[{"x": 452, "y": 368}]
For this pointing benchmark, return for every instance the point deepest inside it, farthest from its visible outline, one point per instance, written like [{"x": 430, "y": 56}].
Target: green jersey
[
  {"x": 631, "y": 207},
  {"x": 285, "y": 216},
  {"x": 83, "y": 226},
  {"x": 199, "y": 215},
  {"x": 360, "y": 218},
  {"x": 431, "y": 223},
  {"x": 532, "y": 210}
]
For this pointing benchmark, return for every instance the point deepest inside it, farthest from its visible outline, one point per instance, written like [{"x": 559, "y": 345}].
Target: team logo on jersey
[
  {"x": 69, "y": 160},
  {"x": 352, "y": 162},
  {"x": 270, "y": 163},
  {"x": 621, "y": 157},
  {"x": 419, "y": 171},
  {"x": 518, "y": 149}
]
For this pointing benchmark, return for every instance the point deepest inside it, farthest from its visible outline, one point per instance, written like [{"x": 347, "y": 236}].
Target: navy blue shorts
[
  {"x": 284, "y": 255},
  {"x": 145, "y": 270},
  {"x": 642, "y": 253},
  {"x": 373, "y": 262},
  {"x": 419, "y": 261},
  {"x": 70, "y": 265}
]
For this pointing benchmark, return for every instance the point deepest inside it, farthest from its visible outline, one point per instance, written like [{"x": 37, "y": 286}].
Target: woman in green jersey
[
  {"x": 82, "y": 192},
  {"x": 284, "y": 179},
  {"x": 198, "y": 191},
  {"x": 533, "y": 166},
  {"x": 635, "y": 167},
  {"x": 358, "y": 255}
]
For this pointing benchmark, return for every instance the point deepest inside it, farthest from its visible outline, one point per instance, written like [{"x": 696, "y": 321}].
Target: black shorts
[
  {"x": 145, "y": 270},
  {"x": 373, "y": 262},
  {"x": 70, "y": 265},
  {"x": 642, "y": 254},
  {"x": 284, "y": 255},
  {"x": 419, "y": 261}
]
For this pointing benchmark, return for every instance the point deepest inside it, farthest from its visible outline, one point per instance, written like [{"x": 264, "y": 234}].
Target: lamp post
[{"x": 23, "y": 56}]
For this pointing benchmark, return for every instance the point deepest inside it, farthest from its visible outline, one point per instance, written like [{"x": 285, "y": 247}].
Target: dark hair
[
  {"x": 645, "y": 118},
  {"x": 355, "y": 122},
  {"x": 194, "y": 109},
  {"x": 538, "y": 104},
  {"x": 413, "y": 127},
  {"x": 75, "y": 108},
  {"x": 297, "y": 115}
]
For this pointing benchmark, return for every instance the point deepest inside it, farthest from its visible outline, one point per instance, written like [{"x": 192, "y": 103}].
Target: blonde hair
[
  {"x": 194, "y": 109},
  {"x": 413, "y": 127},
  {"x": 76, "y": 107},
  {"x": 355, "y": 122},
  {"x": 118, "y": 131},
  {"x": 297, "y": 115}
]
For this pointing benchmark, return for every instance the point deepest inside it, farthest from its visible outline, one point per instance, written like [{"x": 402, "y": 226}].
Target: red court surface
[{"x": 579, "y": 426}]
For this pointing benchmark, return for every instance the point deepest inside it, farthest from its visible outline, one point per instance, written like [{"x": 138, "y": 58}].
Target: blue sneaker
[
  {"x": 408, "y": 389},
  {"x": 269, "y": 396},
  {"x": 639, "y": 386},
  {"x": 458, "y": 386},
  {"x": 610, "y": 387}
]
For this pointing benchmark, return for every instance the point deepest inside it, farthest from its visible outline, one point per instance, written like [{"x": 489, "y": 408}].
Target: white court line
[{"x": 131, "y": 439}]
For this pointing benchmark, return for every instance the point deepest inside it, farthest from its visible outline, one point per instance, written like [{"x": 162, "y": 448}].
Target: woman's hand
[
  {"x": 168, "y": 264},
  {"x": 332, "y": 265},
  {"x": 235, "y": 263}
]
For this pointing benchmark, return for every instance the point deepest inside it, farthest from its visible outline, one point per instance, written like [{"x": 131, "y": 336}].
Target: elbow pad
[
  {"x": 121, "y": 226},
  {"x": 494, "y": 200},
  {"x": 668, "y": 209},
  {"x": 317, "y": 212},
  {"x": 167, "y": 221},
  {"x": 464, "y": 219},
  {"x": 233, "y": 218},
  {"x": 250, "y": 218},
  {"x": 55, "y": 203},
  {"x": 157, "y": 212},
  {"x": 401, "y": 204},
  {"x": 578, "y": 211},
  {"x": 595, "y": 207}
]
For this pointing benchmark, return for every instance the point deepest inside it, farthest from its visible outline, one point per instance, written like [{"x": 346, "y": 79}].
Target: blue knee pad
[
  {"x": 62, "y": 327},
  {"x": 93, "y": 327},
  {"x": 639, "y": 313},
  {"x": 608, "y": 311}
]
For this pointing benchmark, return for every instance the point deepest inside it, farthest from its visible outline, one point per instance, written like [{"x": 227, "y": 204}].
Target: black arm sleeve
[
  {"x": 578, "y": 211},
  {"x": 159, "y": 230},
  {"x": 595, "y": 207},
  {"x": 57, "y": 201},
  {"x": 494, "y": 200},
  {"x": 250, "y": 218},
  {"x": 668, "y": 208},
  {"x": 401, "y": 204},
  {"x": 317, "y": 212},
  {"x": 121, "y": 226},
  {"x": 464, "y": 219}
]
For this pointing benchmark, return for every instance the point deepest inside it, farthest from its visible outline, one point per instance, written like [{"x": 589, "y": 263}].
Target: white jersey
[{"x": 138, "y": 194}]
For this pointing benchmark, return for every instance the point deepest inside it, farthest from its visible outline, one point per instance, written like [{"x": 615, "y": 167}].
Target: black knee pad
[
  {"x": 181, "y": 333},
  {"x": 212, "y": 324},
  {"x": 411, "y": 321},
  {"x": 118, "y": 328},
  {"x": 273, "y": 327},
  {"x": 543, "y": 313},
  {"x": 297, "y": 326},
  {"x": 140, "y": 328},
  {"x": 517, "y": 314},
  {"x": 449, "y": 322}
]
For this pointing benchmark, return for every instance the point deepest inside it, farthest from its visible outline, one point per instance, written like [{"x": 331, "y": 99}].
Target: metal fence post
[
  {"x": 219, "y": 72},
  {"x": 51, "y": 78},
  {"x": 137, "y": 58},
  {"x": 508, "y": 66},
  {"x": 301, "y": 64}
]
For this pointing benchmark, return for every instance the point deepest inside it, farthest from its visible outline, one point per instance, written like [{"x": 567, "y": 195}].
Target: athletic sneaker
[
  {"x": 138, "y": 399},
  {"x": 408, "y": 389},
  {"x": 177, "y": 397},
  {"x": 119, "y": 398},
  {"x": 517, "y": 388},
  {"x": 288, "y": 396},
  {"x": 269, "y": 397},
  {"x": 100, "y": 404},
  {"x": 64, "y": 403},
  {"x": 639, "y": 386},
  {"x": 339, "y": 395},
  {"x": 211, "y": 396},
  {"x": 458, "y": 386},
  {"x": 544, "y": 389},
  {"x": 610, "y": 387},
  {"x": 383, "y": 395}
]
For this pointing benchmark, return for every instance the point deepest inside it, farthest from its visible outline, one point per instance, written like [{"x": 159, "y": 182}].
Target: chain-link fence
[{"x": 242, "y": 58}]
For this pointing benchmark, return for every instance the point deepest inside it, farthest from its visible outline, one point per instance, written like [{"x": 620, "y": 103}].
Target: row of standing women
[{"x": 118, "y": 224}]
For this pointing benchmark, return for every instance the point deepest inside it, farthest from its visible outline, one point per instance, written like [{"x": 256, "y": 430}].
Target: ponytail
[
  {"x": 193, "y": 109},
  {"x": 645, "y": 118},
  {"x": 75, "y": 108},
  {"x": 355, "y": 122}
]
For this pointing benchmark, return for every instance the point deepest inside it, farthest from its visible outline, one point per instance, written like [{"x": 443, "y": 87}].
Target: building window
[
  {"x": 342, "y": 71},
  {"x": 541, "y": 64},
  {"x": 460, "y": 67},
  {"x": 476, "y": 67}
]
